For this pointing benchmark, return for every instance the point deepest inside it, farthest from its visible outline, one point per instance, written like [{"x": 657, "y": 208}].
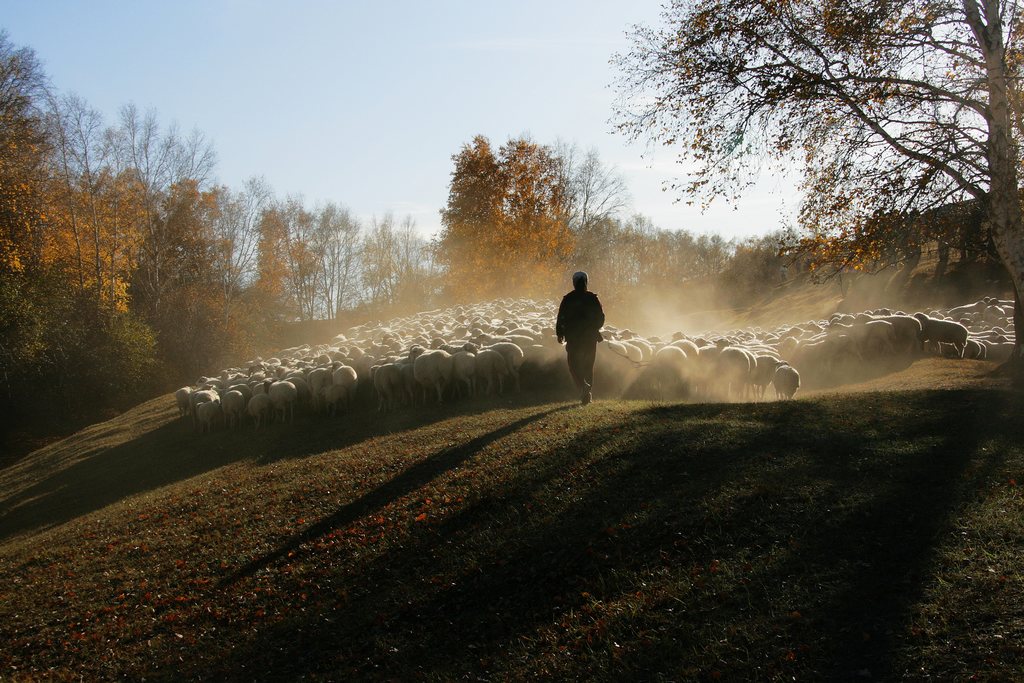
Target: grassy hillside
[{"x": 866, "y": 535}]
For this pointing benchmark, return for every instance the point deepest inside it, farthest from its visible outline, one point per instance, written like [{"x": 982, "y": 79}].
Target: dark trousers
[{"x": 581, "y": 356}]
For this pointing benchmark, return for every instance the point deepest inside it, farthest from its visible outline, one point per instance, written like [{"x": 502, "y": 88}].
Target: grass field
[{"x": 873, "y": 534}]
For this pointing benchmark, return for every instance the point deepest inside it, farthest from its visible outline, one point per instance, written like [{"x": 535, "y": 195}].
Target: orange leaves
[{"x": 505, "y": 225}]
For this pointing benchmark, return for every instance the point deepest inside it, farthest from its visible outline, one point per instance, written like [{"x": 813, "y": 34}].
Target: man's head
[{"x": 579, "y": 280}]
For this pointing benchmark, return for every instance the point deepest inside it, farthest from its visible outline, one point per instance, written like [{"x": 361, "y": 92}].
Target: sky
[{"x": 364, "y": 103}]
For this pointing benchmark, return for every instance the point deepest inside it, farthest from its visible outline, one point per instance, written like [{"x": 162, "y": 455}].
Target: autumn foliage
[{"x": 506, "y": 229}]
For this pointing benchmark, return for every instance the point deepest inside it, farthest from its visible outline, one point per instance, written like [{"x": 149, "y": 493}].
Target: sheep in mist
[
  {"x": 668, "y": 373},
  {"x": 208, "y": 414},
  {"x": 733, "y": 371},
  {"x": 943, "y": 331},
  {"x": 283, "y": 396},
  {"x": 389, "y": 383},
  {"x": 335, "y": 397},
  {"x": 433, "y": 371},
  {"x": 260, "y": 409},
  {"x": 464, "y": 373},
  {"x": 234, "y": 405},
  {"x": 906, "y": 331},
  {"x": 474, "y": 349},
  {"x": 181, "y": 398},
  {"x": 763, "y": 373},
  {"x": 347, "y": 378},
  {"x": 303, "y": 394},
  {"x": 513, "y": 356},
  {"x": 196, "y": 399},
  {"x": 319, "y": 378},
  {"x": 491, "y": 369},
  {"x": 786, "y": 381}
]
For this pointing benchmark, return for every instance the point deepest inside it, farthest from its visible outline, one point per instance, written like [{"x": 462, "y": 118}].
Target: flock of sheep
[{"x": 466, "y": 351}]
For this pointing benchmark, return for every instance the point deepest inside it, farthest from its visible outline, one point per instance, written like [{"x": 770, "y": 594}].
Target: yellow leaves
[{"x": 505, "y": 230}]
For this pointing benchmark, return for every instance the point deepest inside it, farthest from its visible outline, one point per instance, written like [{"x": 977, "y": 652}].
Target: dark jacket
[{"x": 580, "y": 316}]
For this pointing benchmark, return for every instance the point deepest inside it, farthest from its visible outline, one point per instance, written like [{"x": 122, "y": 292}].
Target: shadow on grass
[
  {"x": 171, "y": 452},
  {"x": 414, "y": 477},
  {"x": 675, "y": 546}
]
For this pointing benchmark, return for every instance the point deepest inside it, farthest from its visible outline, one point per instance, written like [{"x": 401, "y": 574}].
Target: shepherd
[{"x": 579, "y": 322}]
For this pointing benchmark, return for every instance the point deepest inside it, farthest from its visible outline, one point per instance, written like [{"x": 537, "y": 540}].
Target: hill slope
[{"x": 874, "y": 534}]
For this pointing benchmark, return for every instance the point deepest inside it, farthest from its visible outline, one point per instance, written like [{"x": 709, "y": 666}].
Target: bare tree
[
  {"x": 235, "y": 238},
  {"x": 380, "y": 270},
  {"x": 595, "y": 192},
  {"x": 339, "y": 242}
]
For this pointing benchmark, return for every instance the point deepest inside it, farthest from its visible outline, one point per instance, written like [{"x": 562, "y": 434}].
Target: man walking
[{"x": 580, "y": 318}]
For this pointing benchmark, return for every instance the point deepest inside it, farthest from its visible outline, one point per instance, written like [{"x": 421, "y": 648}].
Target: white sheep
[
  {"x": 786, "y": 381},
  {"x": 234, "y": 405},
  {"x": 346, "y": 377},
  {"x": 433, "y": 370},
  {"x": 303, "y": 394},
  {"x": 464, "y": 372},
  {"x": 491, "y": 369},
  {"x": 181, "y": 398},
  {"x": 334, "y": 396},
  {"x": 763, "y": 373},
  {"x": 669, "y": 370},
  {"x": 318, "y": 378},
  {"x": 945, "y": 331},
  {"x": 260, "y": 408},
  {"x": 197, "y": 398},
  {"x": 390, "y": 386},
  {"x": 733, "y": 370},
  {"x": 242, "y": 388},
  {"x": 283, "y": 396},
  {"x": 513, "y": 356},
  {"x": 208, "y": 413}
]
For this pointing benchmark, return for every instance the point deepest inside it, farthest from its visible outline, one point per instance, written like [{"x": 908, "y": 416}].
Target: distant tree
[
  {"x": 157, "y": 160},
  {"x": 270, "y": 290},
  {"x": 380, "y": 265},
  {"x": 415, "y": 261},
  {"x": 92, "y": 204},
  {"x": 595, "y": 192},
  {"x": 23, "y": 152},
  {"x": 235, "y": 240},
  {"x": 890, "y": 108},
  {"x": 339, "y": 243},
  {"x": 189, "y": 322},
  {"x": 300, "y": 256},
  {"x": 505, "y": 227}
]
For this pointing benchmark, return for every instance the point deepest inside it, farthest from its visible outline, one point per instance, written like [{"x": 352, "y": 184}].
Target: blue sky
[{"x": 364, "y": 103}]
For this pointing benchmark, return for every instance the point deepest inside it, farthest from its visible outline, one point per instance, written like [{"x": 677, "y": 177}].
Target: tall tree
[
  {"x": 235, "y": 239},
  {"x": 92, "y": 205},
  {"x": 158, "y": 160},
  {"x": 890, "y": 107},
  {"x": 380, "y": 265},
  {"x": 23, "y": 150},
  {"x": 339, "y": 245},
  {"x": 595, "y": 192},
  {"x": 505, "y": 227}
]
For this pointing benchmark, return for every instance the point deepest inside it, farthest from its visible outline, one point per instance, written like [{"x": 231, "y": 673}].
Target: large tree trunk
[{"x": 1005, "y": 216}]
